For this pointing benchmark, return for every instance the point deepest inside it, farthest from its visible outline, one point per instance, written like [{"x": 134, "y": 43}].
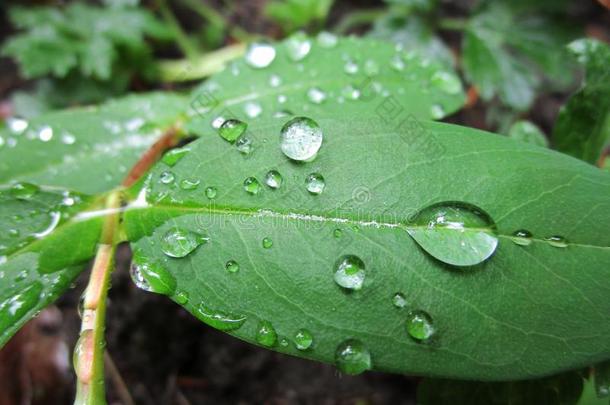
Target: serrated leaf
[
  {"x": 583, "y": 125},
  {"x": 364, "y": 77},
  {"x": 285, "y": 255},
  {"x": 88, "y": 150}
]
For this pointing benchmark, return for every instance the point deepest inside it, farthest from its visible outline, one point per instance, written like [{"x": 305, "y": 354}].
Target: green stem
[
  {"x": 206, "y": 12},
  {"x": 203, "y": 66},
  {"x": 89, "y": 350},
  {"x": 362, "y": 17},
  {"x": 452, "y": 24},
  {"x": 184, "y": 42}
]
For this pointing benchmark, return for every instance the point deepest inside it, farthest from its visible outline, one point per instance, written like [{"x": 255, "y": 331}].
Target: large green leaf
[
  {"x": 263, "y": 264},
  {"x": 583, "y": 126},
  {"x": 88, "y": 150}
]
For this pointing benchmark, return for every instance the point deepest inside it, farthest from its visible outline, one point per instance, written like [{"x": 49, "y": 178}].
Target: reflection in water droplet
[
  {"x": 301, "y": 138},
  {"x": 446, "y": 82},
  {"x": 273, "y": 179},
  {"x": 189, "y": 184},
  {"x": 557, "y": 241},
  {"x": 316, "y": 95},
  {"x": 167, "y": 177},
  {"x": 177, "y": 242},
  {"x": 259, "y": 55},
  {"x": 522, "y": 237},
  {"x": 456, "y": 233},
  {"x": 399, "y": 300},
  {"x": 210, "y": 192},
  {"x": 252, "y": 186},
  {"x": 315, "y": 183},
  {"x": 232, "y": 129},
  {"x": 232, "y": 266},
  {"x": 352, "y": 357},
  {"x": 419, "y": 325},
  {"x": 173, "y": 156},
  {"x": 267, "y": 243},
  {"x": 350, "y": 272},
  {"x": 303, "y": 339},
  {"x": 265, "y": 334},
  {"x": 218, "y": 319},
  {"x": 298, "y": 46},
  {"x": 326, "y": 39}
]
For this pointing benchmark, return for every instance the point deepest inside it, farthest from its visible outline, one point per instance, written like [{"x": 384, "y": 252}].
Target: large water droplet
[
  {"x": 265, "y": 334},
  {"x": 455, "y": 233},
  {"x": 350, "y": 272},
  {"x": 232, "y": 129},
  {"x": 173, "y": 156},
  {"x": 419, "y": 325},
  {"x": 446, "y": 82},
  {"x": 315, "y": 183},
  {"x": 260, "y": 55},
  {"x": 273, "y": 179},
  {"x": 252, "y": 186},
  {"x": 303, "y": 339},
  {"x": 557, "y": 241},
  {"x": 298, "y": 46},
  {"x": 218, "y": 319},
  {"x": 522, "y": 237},
  {"x": 177, "y": 242},
  {"x": 301, "y": 138},
  {"x": 151, "y": 276},
  {"x": 316, "y": 95},
  {"x": 352, "y": 357}
]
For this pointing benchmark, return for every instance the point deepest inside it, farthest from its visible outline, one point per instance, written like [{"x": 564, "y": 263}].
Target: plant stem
[
  {"x": 89, "y": 350},
  {"x": 452, "y": 24},
  {"x": 206, "y": 12},
  {"x": 356, "y": 18},
  {"x": 184, "y": 42},
  {"x": 203, "y": 66}
]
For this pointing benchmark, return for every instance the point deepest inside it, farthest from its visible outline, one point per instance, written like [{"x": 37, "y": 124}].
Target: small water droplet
[
  {"x": 265, "y": 334},
  {"x": 326, "y": 39},
  {"x": 24, "y": 191},
  {"x": 177, "y": 242},
  {"x": 253, "y": 109},
  {"x": 218, "y": 319},
  {"x": 352, "y": 357},
  {"x": 419, "y": 325},
  {"x": 275, "y": 80},
  {"x": 522, "y": 237},
  {"x": 301, "y": 138},
  {"x": 397, "y": 63},
  {"x": 446, "y": 82},
  {"x": 337, "y": 233},
  {"x": 173, "y": 156},
  {"x": 267, "y": 243},
  {"x": 244, "y": 144},
  {"x": 68, "y": 138},
  {"x": 259, "y": 55},
  {"x": 182, "y": 298},
  {"x": 189, "y": 184},
  {"x": 252, "y": 186},
  {"x": 350, "y": 67},
  {"x": 350, "y": 272},
  {"x": 167, "y": 177},
  {"x": 316, "y": 95},
  {"x": 456, "y": 233},
  {"x": 399, "y": 300},
  {"x": 273, "y": 179},
  {"x": 282, "y": 99},
  {"x": 371, "y": 68},
  {"x": 232, "y": 266},
  {"x": 211, "y": 192},
  {"x": 437, "y": 111},
  {"x": 303, "y": 339},
  {"x": 557, "y": 241},
  {"x": 284, "y": 342},
  {"x": 315, "y": 183},
  {"x": 298, "y": 46},
  {"x": 232, "y": 129},
  {"x": 350, "y": 93}
]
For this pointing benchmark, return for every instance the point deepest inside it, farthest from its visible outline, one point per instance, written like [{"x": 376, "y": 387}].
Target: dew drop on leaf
[
  {"x": 350, "y": 93},
  {"x": 419, "y": 325},
  {"x": 315, "y": 183},
  {"x": 189, "y": 184},
  {"x": 337, "y": 233},
  {"x": 244, "y": 144},
  {"x": 45, "y": 133},
  {"x": 303, "y": 339},
  {"x": 350, "y": 272},
  {"x": 151, "y": 276},
  {"x": 371, "y": 68},
  {"x": 211, "y": 192},
  {"x": 219, "y": 319},
  {"x": 232, "y": 129},
  {"x": 259, "y": 55},
  {"x": 267, "y": 243},
  {"x": 557, "y": 241},
  {"x": 397, "y": 63},
  {"x": 182, "y": 298},
  {"x": 273, "y": 179},
  {"x": 167, "y": 177},
  {"x": 522, "y": 237},
  {"x": 352, "y": 357},
  {"x": 275, "y": 80},
  {"x": 18, "y": 305},
  {"x": 298, "y": 46},
  {"x": 173, "y": 156},
  {"x": 24, "y": 191},
  {"x": 301, "y": 138},
  {"x": 350, "y": 67},
  {"x": 265, "y": 334},
  {"x": 316, "y": 95},
  {"x": 252, "y": 186},
  {"x": 455, "y": 233},
  {"x": 253, "y": 109},
  {"x": 178, "y": 242},
  {"x": 232, "y": 266},
  {"x": 399, "y": 300},
  {"x": 218, "y": 121}
]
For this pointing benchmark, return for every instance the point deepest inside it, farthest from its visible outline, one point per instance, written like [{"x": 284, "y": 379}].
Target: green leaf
[
  {"x": 296, "y": 14},
  {"x": 88, "y": 150},
  {"x": 333, "y": 262},
  {"x": 526, "y": 131},
  {"x": 509, "y": 53},
  {"x": 583, "y": 125},
  {"x": 362, "y": 77}
]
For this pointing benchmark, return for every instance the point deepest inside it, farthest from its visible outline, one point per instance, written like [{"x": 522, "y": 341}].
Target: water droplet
[
  {"x": 151, "y": 276},
  {"x": 419, "y": 325},
  {"x": 316, "y": 95},
  {"x": 301, "y": 138},
  {"x": 282, "y": 99},
  {"x": 218, "y": 121},
  {"x": 232, "y": 129},
  {"x": 18, "y": 305},
  {"x": 350, "y": 272},
  {"x": 326, "y": 39},
  {"x": 244, "y": 144},
  {"x": 265, "y": 334},
  {"x": 446, "y": 82},
  {"x": 16, "y": 125},
  {"x": 259, "y": 55},
  {"x": 284, "y": 342},
  {"x": 178, "y": 242},
  {"x": 252, "y": 186},
  {"x": 189, "y": 184},
  {"x": 455, "y": 233},
  {"x": 218, "y": 319},
  {"x": 397, "y": 63},
  {"x": 337, "y": 233},
  {"x": 173, "y": 156},
  {"x": 352, "y": 357},
  {"x": 45, "y": 134},
  {"x": 68, "y": 138},
  {"x": 267, "y": 243},
  {"x": 13, "y": 233},
  {"x": 350, "y": 92},
  {"x": 298, "y": 46},
  {"x": 275, "y": 81},
  {"x": 522, "y": 237},
  {"x": 399, "y": 300},
  {"x": 167, "y": 177},
  {"x": 211, "y": 192},
  {"x": 253, "y": 109},
  {"x": 557, "y": 241},
  {"x": 273, "y": 179},
  {"x": 371, "y": 68},
  {"x": 24, "y": 191},
  {"x": 437, "y": 111},
  {"x": 82, "y": 358},
  {"x": 350, "y": 67},
  {"x": 315, "y": 183},
  {"x": 303, "y": 339},
  {"x": 232, "y": 266}
]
